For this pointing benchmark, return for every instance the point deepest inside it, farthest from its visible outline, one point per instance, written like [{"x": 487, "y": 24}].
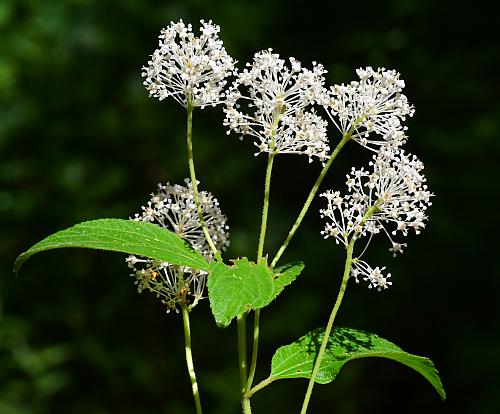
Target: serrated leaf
[
  {"x": 284, "y": 275},
  {"x": 297, "y": 359},
  {"x": 126, "y": 236},
  {"x": 236, "y": 289}
]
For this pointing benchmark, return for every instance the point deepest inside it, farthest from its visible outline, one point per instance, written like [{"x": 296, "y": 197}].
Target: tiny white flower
[
  {"x": 189, "y": 68},
  {"x": 174, "y": 208},
  {"x": 271, "y": 102},
  {"x": 397, "y": 248}
]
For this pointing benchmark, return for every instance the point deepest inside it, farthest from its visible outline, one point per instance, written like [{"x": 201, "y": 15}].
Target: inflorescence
[
  {"x": 273, "y": 101},
  {"x": 174, "y": 208},
  {"x": 190, "y": 69},
  {"x": 390, "y": 198},
  {"x": 372, "y": 104}
]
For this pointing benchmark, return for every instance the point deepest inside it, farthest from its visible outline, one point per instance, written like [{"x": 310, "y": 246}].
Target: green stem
[
  {"x": 259, "y": 386},
  {"x": 242, "y": 358},
  {"x": 326, "y": 336},
  {"x": 247, "y": 409},
  {"x": 192, "y": 174},
  {"x": 347, "y": 270},
  {"x": 265, "y": 207},
  {"x": 255, "y": 349},
  {"x": 310, "y": 197},
  {"x": 260, "y": 250},
  {"x": 189, "y": 359}
]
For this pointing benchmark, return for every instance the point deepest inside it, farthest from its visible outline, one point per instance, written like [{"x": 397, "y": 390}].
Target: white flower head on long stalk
[
  {"x": 391, "y": 197},
  {"x": 373, "y": 107},
  {"x": 189, "y": 68},
  {"x": 271, "y": 102},
  {"x": 174, "y": 208}
]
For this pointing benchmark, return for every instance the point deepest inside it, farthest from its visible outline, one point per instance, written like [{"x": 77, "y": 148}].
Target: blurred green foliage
[{"x": 80, "y": 139}]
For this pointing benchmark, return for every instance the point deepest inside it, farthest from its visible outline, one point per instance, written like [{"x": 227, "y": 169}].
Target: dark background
[{"x": 80, "y": 139}]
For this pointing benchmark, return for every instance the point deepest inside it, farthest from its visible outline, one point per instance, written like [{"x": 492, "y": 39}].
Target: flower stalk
[
  {"x": 260, "y": 250},
  {"x": 265, "y": 207},
  {"x": 347, "y": 273},
  {"x": 192, "y": 174},
  {"x": 329, "y": 326}
]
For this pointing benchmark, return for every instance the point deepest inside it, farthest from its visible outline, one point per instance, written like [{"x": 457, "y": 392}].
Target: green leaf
[
  {"x": 284, "y": 275},
  {"x": 297, "y": 359},
  {"x": 126, "y": 236},
  {"x": 236, "y": 289}
]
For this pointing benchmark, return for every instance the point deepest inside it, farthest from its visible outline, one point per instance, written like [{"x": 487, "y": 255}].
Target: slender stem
[
  {"x": 189, "y": 359},
  {"x": 247, "y": 409},
  {"x": 259, "y": 386},
  {"x": 242, "y": 357},
  {"x": 347, "y": 270},
  {"x": 242, "y": 351},
  {"x": 260, "y": 250},
  {"x": 193, "y": 176},
  {"x": 265, "y": 207},
  {"x": 326, "y": 335},
  {"x": 346, "y": 137},
  {"x": 255, "y": 349}
]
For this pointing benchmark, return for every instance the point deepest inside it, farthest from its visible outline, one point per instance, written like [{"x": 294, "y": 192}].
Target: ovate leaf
[
  {"x": 126, "y": 236},
  {"x": 297, "y": 359},
  {"x": 238, "y": 288}
]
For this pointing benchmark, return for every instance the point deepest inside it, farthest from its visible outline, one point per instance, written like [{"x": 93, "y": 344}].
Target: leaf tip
[{"x": 17, "y": 265}]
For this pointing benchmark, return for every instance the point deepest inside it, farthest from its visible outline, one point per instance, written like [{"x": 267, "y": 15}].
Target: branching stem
[
  {"x": 310, "y": 197},
  {"x": 260, "y": 385}
]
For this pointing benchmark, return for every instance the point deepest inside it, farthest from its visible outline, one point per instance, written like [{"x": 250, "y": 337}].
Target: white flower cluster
[
  {"x": 189, "y": 68},
  {"x": 392, "y": 198},
  {"x": 375, "y": 277},
  {"x": 271, "y": 102},
  {"x": 174, "y": 208},
  {"x": 374, "y": 104}
]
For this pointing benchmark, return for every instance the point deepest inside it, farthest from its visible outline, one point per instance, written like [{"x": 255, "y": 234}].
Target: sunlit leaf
[
  {"x": 297, "y": 359},
  {"x": 125, "y": 236},
  {"x": 238, "y": 288}
]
